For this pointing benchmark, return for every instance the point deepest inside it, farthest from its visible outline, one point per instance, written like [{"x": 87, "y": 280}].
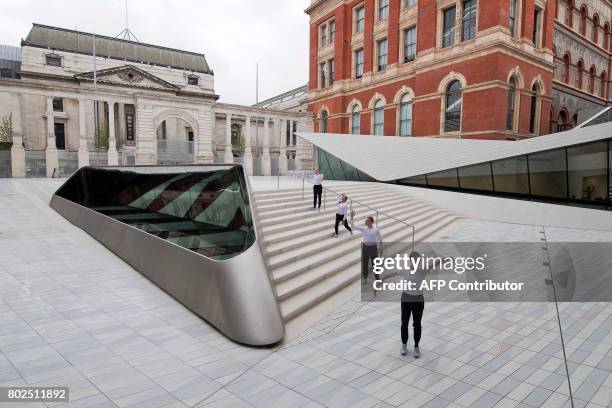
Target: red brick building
[{"x": 450, "y": 68}]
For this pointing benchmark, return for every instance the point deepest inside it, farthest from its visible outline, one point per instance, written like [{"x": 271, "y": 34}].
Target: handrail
[{"x": 362, "y": 204}]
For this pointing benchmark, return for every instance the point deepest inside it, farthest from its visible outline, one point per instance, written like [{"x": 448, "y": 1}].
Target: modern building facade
[
  {"x": 454, "y": 68},
  {"x": 153, "y": 105}
]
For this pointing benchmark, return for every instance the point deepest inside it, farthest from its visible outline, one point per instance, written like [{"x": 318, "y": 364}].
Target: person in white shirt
[
  {"x": 342, "y": 215},
  {"x": 317, "y": 190},
  {"x": 413, "y": 303},
  {"x": 372, "y": 240}
]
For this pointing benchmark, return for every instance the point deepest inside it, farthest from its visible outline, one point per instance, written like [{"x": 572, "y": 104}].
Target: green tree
[{"x": 6, "y": 132}]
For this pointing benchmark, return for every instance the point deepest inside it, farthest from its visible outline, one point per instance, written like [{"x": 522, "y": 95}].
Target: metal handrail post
[
  {"x": 278, "y": 180},
  {"x": 376, "y": 219},
  {"x": 324, "y": 200},
  {"x": 302, "y": 188}
]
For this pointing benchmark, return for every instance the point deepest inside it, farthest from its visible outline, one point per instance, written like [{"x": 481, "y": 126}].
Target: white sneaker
[
  {"x": 351, "y": 233},
  {"x": 318, "y": 210},
  {"x": 404, "y": 350},
  {"x": 417, "y": 352},
  {"x": 335, "y": 235}
]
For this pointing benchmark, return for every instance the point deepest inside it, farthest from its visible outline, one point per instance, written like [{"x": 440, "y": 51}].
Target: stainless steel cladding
[{"x": 190, "y": 230}]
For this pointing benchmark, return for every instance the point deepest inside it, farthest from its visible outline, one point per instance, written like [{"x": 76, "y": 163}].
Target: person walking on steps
[
  {"x": 370, "y": 248},
  {"x": 317, "y": 190},
  {"x": 342, "y": 215},
  {"x": 413, "y": 303}
]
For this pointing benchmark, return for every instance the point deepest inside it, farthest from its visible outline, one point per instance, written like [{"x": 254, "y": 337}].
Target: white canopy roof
[{"x": 387, "y": 158}]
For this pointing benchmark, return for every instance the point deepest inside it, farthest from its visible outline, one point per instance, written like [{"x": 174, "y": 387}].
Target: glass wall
[
  {"x": 335, "y": 169},
  {"x": 548, "y": 174},
  {"x": 578, "y": 174},
  {"x": 510, "y": 175}
]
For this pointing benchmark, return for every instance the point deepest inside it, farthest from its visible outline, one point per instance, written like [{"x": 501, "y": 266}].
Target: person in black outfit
[
  {"x": 317, "y": 190},
  {"x": 413, "y": 303}
]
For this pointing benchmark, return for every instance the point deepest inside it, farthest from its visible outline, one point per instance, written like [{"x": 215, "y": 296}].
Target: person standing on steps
[
  {"x": 342, "y": 215},
  {"x": 317, "y": 190},
  {"x": 370, "y": 248},
  {"x": 413, "y": 303}
]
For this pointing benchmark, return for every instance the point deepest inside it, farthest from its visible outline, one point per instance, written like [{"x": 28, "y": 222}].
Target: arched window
[
  {"x": 567, "y": 62},
  {"x": 604, "y": 85},
  {"x": 583, "y": 19},
  {"x": 452, "y": 109},
  {"x": 405, "y": 116},
  {"x": 580, "y": 74},
  {"x": 592, "y": 79},
  {"x": 356, "y": 120},
  {"x": 511, "y": 104},
  {"x": 595, "y": 34},
  {"x": 534, "y": 108},
  {"x": 606, "y": 38},
  {"x": 379, "y": 117},
  {"x": 324, "y": 117},
  {"x": 562, "y": 122},
  {"x": 569, "y": 14}
]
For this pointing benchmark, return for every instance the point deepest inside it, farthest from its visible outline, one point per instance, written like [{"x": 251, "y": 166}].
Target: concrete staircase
[{"x": 311, "y": 270}]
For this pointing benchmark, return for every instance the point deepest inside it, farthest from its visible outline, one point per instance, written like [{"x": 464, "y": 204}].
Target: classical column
[
  {"x": 282, "y": 156},
  {"x": 228, "y": 157},
  {"x": 266, "y": 161},
  {"x": 122, "y": 136},
  {"x": 83, "y": 154},
  {"x": 247, "y": 160},
  {"x": 206, "y": 123},
  {"x": 113, "y": 156},
  {"x": 304, "y": 150},
  {"x": 17, "y": 150},
  {"x": 146, "y": 142},
  {"x": 51, "y": 154}
]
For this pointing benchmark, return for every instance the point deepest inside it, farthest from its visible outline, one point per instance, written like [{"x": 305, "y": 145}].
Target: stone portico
[{"x": 148, "y": 105}]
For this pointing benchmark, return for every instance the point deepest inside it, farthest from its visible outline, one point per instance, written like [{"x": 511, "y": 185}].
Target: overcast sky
[{"x": 234, "y": 34}]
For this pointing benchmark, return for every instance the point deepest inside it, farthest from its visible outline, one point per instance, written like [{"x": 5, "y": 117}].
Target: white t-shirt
[
  {"x": 318, "y": 179},
  {"x": 370, "y": 235},
  {"x": 343, "y": 209}
]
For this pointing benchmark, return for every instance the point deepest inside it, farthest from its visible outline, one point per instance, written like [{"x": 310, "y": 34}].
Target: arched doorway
[{"x": 176, "y": 135}]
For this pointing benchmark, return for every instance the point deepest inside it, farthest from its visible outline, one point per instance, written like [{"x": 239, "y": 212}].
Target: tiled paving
[{"x": 73, "y": 314}]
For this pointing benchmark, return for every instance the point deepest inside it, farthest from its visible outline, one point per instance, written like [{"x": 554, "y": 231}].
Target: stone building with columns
[{"x": 134, "y": 103}]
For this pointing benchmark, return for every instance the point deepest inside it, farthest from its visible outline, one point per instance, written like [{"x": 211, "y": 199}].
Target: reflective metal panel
[{"x": 189, "y": 229}]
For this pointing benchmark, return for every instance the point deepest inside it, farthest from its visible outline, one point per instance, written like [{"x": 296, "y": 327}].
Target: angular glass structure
[
  {"x": 190, "y": 230},
  {"x": 204, "y": 211}
]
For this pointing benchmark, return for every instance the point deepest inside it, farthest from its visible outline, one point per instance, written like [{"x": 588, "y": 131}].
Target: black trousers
[
  {"x": 368, "y": 253},
  {"x": 317, "y": 190},
  {"x": 339, "y": 218},
  {"x": 412, "y": 305}
]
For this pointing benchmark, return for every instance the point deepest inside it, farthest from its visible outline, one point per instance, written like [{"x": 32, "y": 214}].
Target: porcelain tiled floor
[{"x": 73, "y": 314}]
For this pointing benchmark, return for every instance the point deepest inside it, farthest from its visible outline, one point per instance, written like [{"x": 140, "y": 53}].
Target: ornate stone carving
[{"x": 131, "y": 76}]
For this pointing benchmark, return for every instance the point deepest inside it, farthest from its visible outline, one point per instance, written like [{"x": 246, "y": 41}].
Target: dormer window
[
  {"x": 53, "y": 60},
  {"x": 192, "y": 80}
]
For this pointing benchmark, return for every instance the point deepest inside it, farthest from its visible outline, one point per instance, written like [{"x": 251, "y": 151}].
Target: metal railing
[{"x": 351, "y": 201}]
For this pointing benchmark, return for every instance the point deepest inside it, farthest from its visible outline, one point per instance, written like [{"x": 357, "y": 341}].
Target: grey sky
[{"x": 234, "y": 34}]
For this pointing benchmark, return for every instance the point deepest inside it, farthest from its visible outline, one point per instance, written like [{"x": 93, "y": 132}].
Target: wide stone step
[
  {"x": 320, "y": 242},
  {"x": 263, "y": 202},
  {"x": 339, "y": 247},
  {"x": 306, "y": 206},
  {"x": 315, "y": 287},
  {"x": 279, "y": 242},
  {"x": 287, "y": 192}
]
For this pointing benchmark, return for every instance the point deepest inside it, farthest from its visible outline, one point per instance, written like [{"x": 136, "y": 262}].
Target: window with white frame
[
  {"x": 359, "y": 63},
  {"x": 511, "y": 104},
  {"x": 323, "y": 72},
  {"x": 331, "y": 66},
  {"x": 405, "y": 115},
  {"x": 359, "y": 19},
  {"x": 356, "y": 120},
  {"x": 323, "y": 35},
  {"x": 448, "y": 27},
  {"x": 381, "y": 51},
  {"x": 332, "y": 31},
  {"x": 452, "y": 111},
  {"x": 409, "y": 44},
  {"x": 409, "y": 3},
  {"x": 383, "y": 9},
  {"x": 324, "y": 117},
  {"x": 379, "y": 117},
  {"x": 468, "y": 20},
  {"x": 512, "y": 17},
  {"x": 537, "y": 27}
]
